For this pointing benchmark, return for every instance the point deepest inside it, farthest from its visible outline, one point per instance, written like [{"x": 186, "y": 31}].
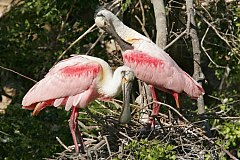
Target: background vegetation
[{"x": 35, "y": 33}]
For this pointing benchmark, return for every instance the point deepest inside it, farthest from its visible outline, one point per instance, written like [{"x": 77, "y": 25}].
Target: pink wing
[
  {"x": 65, "y": 83},
  {"x": 161, "y": 74}
]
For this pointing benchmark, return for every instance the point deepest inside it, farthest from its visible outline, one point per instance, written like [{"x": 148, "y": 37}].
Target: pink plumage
[
  {"x": 162, "y": 74},
  {"x": 75, "y": 82},
  {"x": 71, "y": 82}
]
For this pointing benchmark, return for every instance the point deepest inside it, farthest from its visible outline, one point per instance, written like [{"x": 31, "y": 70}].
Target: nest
[{"x": 111, "y": 138}]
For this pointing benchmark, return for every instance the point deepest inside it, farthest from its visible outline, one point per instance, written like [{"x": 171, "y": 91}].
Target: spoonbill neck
[{"x": 112, "y": 84}]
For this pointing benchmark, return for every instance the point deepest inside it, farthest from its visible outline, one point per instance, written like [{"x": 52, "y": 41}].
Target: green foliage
[
  {"x": 125, "y": 5},
  {"x": 231, "y": 133},
  {"x": 23, "y": 136},
  {"x": 151, "y": 150}
]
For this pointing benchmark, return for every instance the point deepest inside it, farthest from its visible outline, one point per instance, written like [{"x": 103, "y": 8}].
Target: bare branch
[
  {"x": 62, "y": 144},
  {"x": 18, "y": 74},
  {"x": 177, "y": 38},
  {"x": 205, "y": 51},
  {"x": 77, "y": 40}
]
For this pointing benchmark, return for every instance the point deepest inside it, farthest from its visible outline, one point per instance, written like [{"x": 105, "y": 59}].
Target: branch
[
  {"x": 78, "y": 39},
  {"x": 215, "y": 30},
  {"x": 196, "y": 49},
  {"x": 161, "y": 23},
  {"x": 205, "y": 51},
  {"x": 177, "y": 38},
  {"x": 198, "y": 74},
  {"x": 18, "y": 74}
]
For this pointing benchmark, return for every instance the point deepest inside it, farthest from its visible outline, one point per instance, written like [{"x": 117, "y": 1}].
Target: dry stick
[
  {"x": 126, "y": 136},
  {"x": 205, "y": 51},
  {"x": 142, "y": 26},
  {"x": 66, "y": 18},
  {"x": 78, "y": 39},
  {"x": 215, "y": 30},
  {"x": 173, "y": 41},
  {"x": 110, "y": 157},
  {"x": 143, "y": 20},
  {"x": 227, "y": 69},
  {"x": 95, "y": 43},
  {"x": 64, "y": 146},
  {"x": 226, "y": 151},
  {"x": 108, "y": 147},
  {"x": 9, "y": 5},
  {"x": 172, "y": 108},
  {"x": 18, "y": 74}
]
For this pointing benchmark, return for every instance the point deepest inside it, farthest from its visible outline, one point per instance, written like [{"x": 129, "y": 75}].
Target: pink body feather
[
  {"x": 71, "y": 82},
  {"x": 161, "y": 73}
]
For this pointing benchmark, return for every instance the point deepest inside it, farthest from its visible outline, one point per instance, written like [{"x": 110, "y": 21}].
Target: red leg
[
  {"x": 156, "y": 107},
  {"x": 175, "y": 95},
  {"x": 73, "y": 124}
]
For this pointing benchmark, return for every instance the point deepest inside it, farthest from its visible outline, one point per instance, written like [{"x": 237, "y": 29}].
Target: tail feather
[{"x": 37, "y": 107}]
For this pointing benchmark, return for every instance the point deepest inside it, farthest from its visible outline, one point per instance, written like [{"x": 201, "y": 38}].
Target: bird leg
[
  {"x": 156, "y": 106},
  {"x": 73, "y": 124},
  {"x": 175, "y": 95}
]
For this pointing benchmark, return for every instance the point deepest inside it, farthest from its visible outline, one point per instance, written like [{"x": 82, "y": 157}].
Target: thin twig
[
  {"x": 172, "y": 108},
  {"x": 172, "y": 42},
  {"x": 108, "y": 147},
  {"x": 205, "y": 51},
  {"x": 18, "y": 74},
  {"x": 64, "y": 146},
  {"x": 214, "y": 28},
  {"x": 142, "y": 26},
  {"x": 78, "y": 39},
  {"x": 95, "y": 43}
]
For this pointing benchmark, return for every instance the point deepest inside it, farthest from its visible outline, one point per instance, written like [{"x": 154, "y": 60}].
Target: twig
[
  {"x": 211, "y": 141},
  {"x": 4, "y": 133},
  {"x": 73, "y": 43},
  {"x": 142, "y": 26},
  {"x": 18, "y": 74},
  {"x": 172, "y": 42},
  {"x": 108, "y": 147},
  {"x": 66, "y": 18},
  {"x": 216, "y": 31},
  {"x": 95, "y": 43},
  {"x": 172, "y": 108},
  {"x": 64, "y": 146},
  {"x": 205, "y": 51},
  {"x": 125, "y": 135}
]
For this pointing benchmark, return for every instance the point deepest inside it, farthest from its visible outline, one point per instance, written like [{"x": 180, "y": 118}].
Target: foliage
[
  {"x": 151, "y": 150},
  {"x": 23, "y": 136}
]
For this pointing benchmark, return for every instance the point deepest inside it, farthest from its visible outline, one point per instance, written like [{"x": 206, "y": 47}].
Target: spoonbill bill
[
  {"x": 77, "y": 81},
  {"x": 150, "y": 63}
]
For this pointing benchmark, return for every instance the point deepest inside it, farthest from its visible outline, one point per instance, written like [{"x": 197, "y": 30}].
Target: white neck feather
[
  {"x": 111, "y": 85},
  {"x": 124, "y": 31}
]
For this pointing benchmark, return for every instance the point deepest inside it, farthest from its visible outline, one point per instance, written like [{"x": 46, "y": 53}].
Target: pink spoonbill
[
  {"x": 77, "y": 81},
  {"x": 150, "y": 63}
]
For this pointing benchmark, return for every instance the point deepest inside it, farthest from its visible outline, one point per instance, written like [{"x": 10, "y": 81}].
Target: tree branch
[{"x": 161, "y": 23}]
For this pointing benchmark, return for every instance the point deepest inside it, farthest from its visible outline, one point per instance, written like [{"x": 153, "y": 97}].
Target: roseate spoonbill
[
  {"x": 77, "y": 81},
  {"x": 150, "y": 63}
]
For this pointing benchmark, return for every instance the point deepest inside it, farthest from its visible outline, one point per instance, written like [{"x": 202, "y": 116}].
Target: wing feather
[
  {"x": 161, "y": 73},
  {"x": 67, "y": 78}
]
